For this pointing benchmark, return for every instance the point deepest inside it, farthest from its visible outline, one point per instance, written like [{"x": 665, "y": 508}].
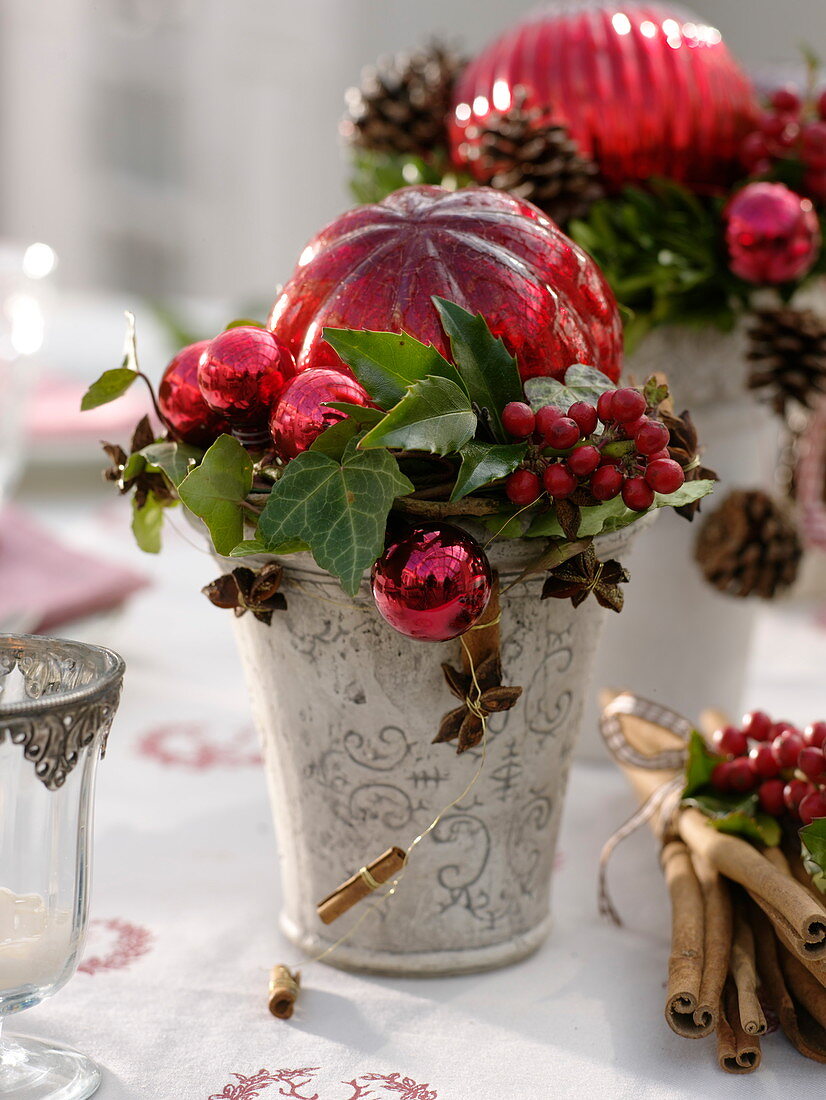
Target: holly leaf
[
  {"x": 334, "y": 440},
  {"x": 338, "y": 508},
  {"x": 215, "y": 490},
  {"x": 751, "y": 824},
  {"x": 434, "y": 415},
  {"x": 364, "y": 415},
  {"x": 813, "y": 851},
  {"x": 488, "y": 369},
  {"x": 485, "y": 462},
  {"x": 611, "y": 515},
  {"x": 147, "y": 523},
  {"x": 580, "y": 383},
  {"x": 111, "y": 385},
  {"x": 175, "y": 459},
  {"x": 387, "y": 363},
  {"x": 700, "y": 763}
]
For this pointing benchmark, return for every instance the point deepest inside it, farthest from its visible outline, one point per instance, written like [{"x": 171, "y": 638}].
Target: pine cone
[
  {"x": 403, "y": 103},
  {"x": 748, "y": 546},
  {"x": 787, "y": 354},
  {"x": 684, "y": 448},
  {"x": 519, "y": 152}
]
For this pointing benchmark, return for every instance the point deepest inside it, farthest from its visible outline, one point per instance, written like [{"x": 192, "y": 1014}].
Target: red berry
[
  {"x": 781, "y": 727},
  {"x": 821, "y": 105},
  {"x": 518, "y": 419},
  {"x": 585, "y": 416},
  {"x": 786, "y": 100},
  {"x": 664, "y": 475},
  {"x": 584, "y": 460},
  {"x": 606, "y": 482},
  {"x": 764, "y": 762},
  {"x": 628, "y": 404},
  {"x": 786, "y": 748},
  {"x": 742, "y": 775},
  {"x": 651, "y": 437},
  {"x": 757, "y": 725},
  {"x": 523, "y": 487},
  {"x": 815, "y": 734},
  {"x": 771, "y": 124},
  {"x": 753, "y": 149},
  {"x": 545, "y": 419},
  {"x": 559, "y": 481},
  {"x": 812, "y": 806},
  {"x": 664, "y": 453},
  {"x": 730, "y": 741},
  {"x": 794, "y": 792},
  {"x": 631, "y": 427},
  {"x": 562, "y": 434},
  {"x": 637, "y": 494},
  {"x": 720, "y": 775},
  {"x": 812, "y": 762},
  {"x": 605, "y": 409},
  {"x": 814, "y": 144},
  {"x": 770, "y": 795}
]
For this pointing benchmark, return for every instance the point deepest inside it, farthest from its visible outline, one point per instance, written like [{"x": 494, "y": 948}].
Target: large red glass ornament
[
  {"x": 433, "y": 583},
  {"x": 241, "y": 373},
  {"x": 772, "y": 234},
  {"x": 182, "y": 402},
  {"x": 299, "y": 415},
  {"x": 377, "y": 267},
  {"x": 644, "y": 90}
]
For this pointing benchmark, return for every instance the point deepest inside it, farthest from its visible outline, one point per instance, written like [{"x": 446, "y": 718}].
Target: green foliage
[
  {"x": 376, "y": 175},
  {"x": 434, "y": 415},
  {"x": 581, "y": 383},
  {"x": 175, "y": 459},
  {"x": 111, "y": 385},
  {"x": 363, "y": 415},
  {"x": 147, "y": 523},
  {"x": 254, "y": 547},
  {"x": 611, "y": 515},
  {"x": 483, "y": 463},
  {"x": 813, "y": 840},
  {"x": 334, "y": 440},
  {"x": 700, "y": 763},
  {"x": 216, "y": 490}
]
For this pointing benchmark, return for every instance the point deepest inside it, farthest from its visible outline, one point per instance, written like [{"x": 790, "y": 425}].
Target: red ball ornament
[
  {"x": 299, "y": 415},
  {"x": 433, "y": 583},
  {"x": 772, "y": 234},
  {"x": 378, "y": 266},
  {"x": 241, "y": 373},
  {"x": 182, "y": 403},
  {"x": 645, "y": 90}
]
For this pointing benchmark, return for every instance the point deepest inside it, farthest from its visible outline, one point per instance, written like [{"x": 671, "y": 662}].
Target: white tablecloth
[{"x": 171, "y": 996}]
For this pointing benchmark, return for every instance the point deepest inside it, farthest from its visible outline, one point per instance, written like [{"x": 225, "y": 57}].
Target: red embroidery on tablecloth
[
  {"x": 363, "y": 1086},
  {"x": 192, "y": 745},
  {"x": 130, "y": 942}
]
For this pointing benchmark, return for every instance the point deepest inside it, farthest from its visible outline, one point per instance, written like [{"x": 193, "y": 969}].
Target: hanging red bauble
[
  {"x": 300, "y": 415},
  {"x": 182, "y": 403},
  {"x": 241, "y": 373},
  {"x": 433, "y": 583},
  {"x": 644, "y": 90},
  {"x": 377, "y": 267},
  {"x": 772, "y": 234}
]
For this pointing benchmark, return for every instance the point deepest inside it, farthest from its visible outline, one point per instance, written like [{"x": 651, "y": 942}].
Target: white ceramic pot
[{"x": 347, "y": 710}]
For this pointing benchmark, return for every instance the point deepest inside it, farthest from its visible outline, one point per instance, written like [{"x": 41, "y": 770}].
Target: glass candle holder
[{"x": 57, "y": 702}]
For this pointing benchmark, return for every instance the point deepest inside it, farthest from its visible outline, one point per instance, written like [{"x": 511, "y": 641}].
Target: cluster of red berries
[
  {"x": 790, "y": 130},
  {"x": 786, "y": 766},
  {"x": 629, "y": 455}
]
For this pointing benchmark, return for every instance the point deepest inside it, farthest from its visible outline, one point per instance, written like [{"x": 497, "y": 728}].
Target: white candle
[{"x": 35, "y": 941}]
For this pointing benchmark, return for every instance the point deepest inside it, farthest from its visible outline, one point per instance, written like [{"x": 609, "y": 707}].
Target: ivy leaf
[
  {"x": 251, "y": 547},
  {"x": 813, "y": 840},
  {"x": 338, "y": 508},
  {"x": 334, "y": 440},
  {"x": 386, "y": 363},
  {"x": 485, "y": 462},
  {"x": 488, "y": 369},
  {"x": 215, "y": 490},
  {"x": 243, "y": 322},
  {"x": 364, "y": 415},
  {"x": 580, "y": 383},
  {"x": 147, "y": 522},
  {"x": 175, "y": 459},
  {"x": 598, "y": 519},
  {"x": 654, "y": 392},
  {"x": 700, "y": 763},
  {"x": 111, "y": 385},
  {"x": 434, "y": 415}
]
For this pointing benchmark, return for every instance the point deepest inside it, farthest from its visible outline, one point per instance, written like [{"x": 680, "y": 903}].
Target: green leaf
[
  {"x": 581, "y": 383},
  {"x": 134, "y": 465},
  {"x": 175, "y": 459},
  {"x": 813, "y": 841},
  {"x": 339, "y": 509},
  {"x": 244, "y": 322},
  {"x": 111, "y": 385},
  {"x": 364, "y": 415},
  {"x": 334, "y": 440},
  {"x": 654, "y": 392},
  {"x": 386, "y": 363},
  {"x": 434, "y": 415},
  {"x": 700, "y": 763},
  {"x": 250, "y": 547},
  {"x": 485, "y": 462},
  {"x": 147, "y": 523},
  {"x": 487, "y": 367},
  {"x": 756, "y": 826},
  {"x": 215, "y": 490}
]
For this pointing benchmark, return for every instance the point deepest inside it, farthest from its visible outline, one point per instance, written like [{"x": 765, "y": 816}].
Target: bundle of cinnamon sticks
[{"x": 748, "y": 925}]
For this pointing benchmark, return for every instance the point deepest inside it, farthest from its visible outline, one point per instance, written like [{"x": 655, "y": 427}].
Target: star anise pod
[
  {"x": 684, "y": 448},
  {"x": 245, "y": 589},
  {"x": 465, "y": 722},
  {"x": 143, "y": 482},
  {"x": 576, "y": 578}
]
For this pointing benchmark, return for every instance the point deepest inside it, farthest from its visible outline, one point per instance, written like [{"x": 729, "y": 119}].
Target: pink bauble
[
  {"x": 644, "y": 90},
  {"x": 433, "y": 583},
  {"x": 182, "y": 403},
  {"x": 240, "y": 374},
  {"x": 772, "y": 234},
  {"x": 299, "y": 415},
  {"x": 377, "y": 267}
]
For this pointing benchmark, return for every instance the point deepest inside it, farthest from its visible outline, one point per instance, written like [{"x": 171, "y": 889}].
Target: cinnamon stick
[
  {"x": 737, "y": 1052},
  {"x": 717, "y": 934},
  {"x": 685, "y": 963},
  {"x": 804, "y": 986},
  {"x": 744, "y": 975},
  {"x": 359, "y": 885},
  {"x": 284, "y": 989}
]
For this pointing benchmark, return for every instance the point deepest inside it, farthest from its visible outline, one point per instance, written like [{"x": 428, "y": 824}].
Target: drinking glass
[{"x": 57, "y": 701}]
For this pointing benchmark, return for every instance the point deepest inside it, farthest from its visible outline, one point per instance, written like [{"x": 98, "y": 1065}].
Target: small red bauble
[
  {"x": 378, "y": 267},
  {"x": 241, "y": 373},
  {"x": 772, "y": 234},
  {"x": 182, "y": 402},
  {"x": 433, "y": 583},
  {"x": 300, "y": 415}
]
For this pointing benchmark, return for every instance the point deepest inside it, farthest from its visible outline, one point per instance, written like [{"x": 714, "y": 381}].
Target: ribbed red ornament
[
  {"x": 299, "y": 415},
  {"x": 433, "y": 583},
  {"x": 241, "y": 373},
  {"x": 645, "y": 90},
  {"x": 182, "y": 402},
  {"x": 772, "y": 233},
  {"x": 378, "y": 266}
]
